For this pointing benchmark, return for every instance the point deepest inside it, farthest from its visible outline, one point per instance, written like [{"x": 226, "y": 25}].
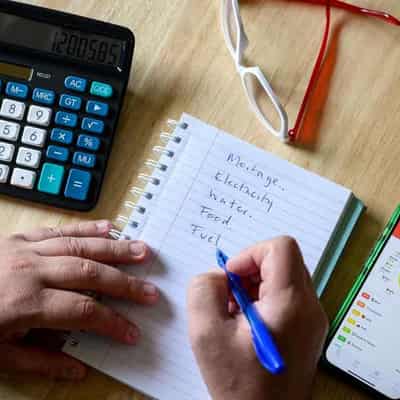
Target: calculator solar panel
[{"x": 62, "y": 83}]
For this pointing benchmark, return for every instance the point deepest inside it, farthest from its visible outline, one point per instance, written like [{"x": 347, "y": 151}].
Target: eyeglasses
[{"x": 237, "y": 41}]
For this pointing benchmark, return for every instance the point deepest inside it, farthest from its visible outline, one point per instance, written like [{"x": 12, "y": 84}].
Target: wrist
[{"x": 263, "y": 388}]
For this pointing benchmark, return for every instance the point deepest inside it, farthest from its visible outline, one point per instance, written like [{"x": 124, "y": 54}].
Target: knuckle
[
  {"x": 116, "y": 247},
  {"x": 285, "y": 245},
  {"x": 198, "y": 282},
  {"x": 90, "y": 270},
  {"x": 80, "y": 228},
  {"x": 53, "y": 232},
  {"x": 18, "y": 237},
  {"x": 131, "y": 285},
  {"x": 73, "y": 246},
  {"x": 25, "y": 307},
  {"x": 289, "y": 243},
  {"x": 204, "y": 335},
  {"x": 22, "y": 262},
  {"x": 87, "y": 309}
]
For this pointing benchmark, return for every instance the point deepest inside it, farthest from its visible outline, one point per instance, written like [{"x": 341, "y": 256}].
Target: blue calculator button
[
  {"x": 18, "y": 90},
  {"x": 62, "y": 136},
  {"x": 75, "y": 83},
  {"x": 51, "y": 178},
  {"x": 93, "y": 125},
  {"x": 88, "y": 142},
  {"x": 78, "y": 184},
  {"x": 84, "y": 159},
  {"x": 97, "y": 108},
  {"x": 101, "y": 89},
  {"x": 70, "y": 102},
  {"x": 43, "y": 96},
  {"x": 57, "y": 153},
  {"x": 66, "y": 119}
]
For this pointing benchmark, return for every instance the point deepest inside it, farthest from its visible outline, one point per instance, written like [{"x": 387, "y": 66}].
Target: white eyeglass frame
[{"x": 232, "y": 6}]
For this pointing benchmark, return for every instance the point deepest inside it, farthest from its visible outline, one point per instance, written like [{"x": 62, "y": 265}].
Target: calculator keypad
[{"x": 51, "y": 141}]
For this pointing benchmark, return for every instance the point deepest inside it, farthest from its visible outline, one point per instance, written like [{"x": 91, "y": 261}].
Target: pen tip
[{"x": 222, "y": 258}]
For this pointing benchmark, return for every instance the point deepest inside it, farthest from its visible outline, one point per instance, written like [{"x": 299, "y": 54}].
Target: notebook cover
[{"x": 337, "y": 244}]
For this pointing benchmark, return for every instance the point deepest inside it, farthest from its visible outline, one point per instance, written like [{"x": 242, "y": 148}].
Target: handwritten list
[{"x": 216, "y": 192}]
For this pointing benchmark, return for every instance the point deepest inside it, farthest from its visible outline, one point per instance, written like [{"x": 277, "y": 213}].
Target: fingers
[
  {"x": 63, "y": 310},
  {"x": 278, "y": 261},
  {"x": 99, "y": 249},
  {"x": 208, "y": 299},
  {"x": 74, "y": 273},
  {"x": 82, "y": 229},
  {"x": 42, "y": 362}
]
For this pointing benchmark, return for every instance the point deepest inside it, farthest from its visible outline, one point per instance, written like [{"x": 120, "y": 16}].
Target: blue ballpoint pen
[{"x": 263, "y": 342}]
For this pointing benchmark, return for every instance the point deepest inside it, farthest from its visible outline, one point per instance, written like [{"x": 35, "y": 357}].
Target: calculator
[{"x": 62, "y": 83}]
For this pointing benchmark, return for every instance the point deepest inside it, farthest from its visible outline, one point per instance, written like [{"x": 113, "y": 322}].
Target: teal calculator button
[
  {"x": 101, "y": 89},
  {"x": 51, "y": 178}
]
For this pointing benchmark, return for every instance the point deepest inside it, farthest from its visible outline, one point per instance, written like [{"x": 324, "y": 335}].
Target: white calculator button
[
  {"x": 39, "y": 115},
  {"x": 23, "y": 178},
  {"x": 28, "y": 157},
  {"x": 9, "y": 130},
  {"x": 12, "y": 109},
  {"x": 34, "y": 136},
  {"x": 4, "y": 171},
  {"x": 6, "y": 151}
]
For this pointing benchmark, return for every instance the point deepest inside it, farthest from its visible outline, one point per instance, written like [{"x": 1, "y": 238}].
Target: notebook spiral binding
[{"x": 138, "y": 192}]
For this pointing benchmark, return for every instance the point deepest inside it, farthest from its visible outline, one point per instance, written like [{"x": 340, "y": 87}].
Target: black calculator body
[{"x": 62, "y": 82}]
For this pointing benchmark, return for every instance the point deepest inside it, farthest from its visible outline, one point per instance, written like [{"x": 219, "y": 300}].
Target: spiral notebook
[{"x": 210, "y": 189}]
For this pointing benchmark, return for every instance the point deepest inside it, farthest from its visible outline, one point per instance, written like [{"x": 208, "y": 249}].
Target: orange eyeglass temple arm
[{"x": 293, "y": 133}]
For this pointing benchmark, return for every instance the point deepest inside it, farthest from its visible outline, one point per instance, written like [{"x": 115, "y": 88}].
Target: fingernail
[
  {"x": 137, "y": 249},
  {"x": 73, "y": 373},
  {"x": 149, "y": 290},
  {"x": 132, "y": 335},
  {"x": 104, "y": 226}
]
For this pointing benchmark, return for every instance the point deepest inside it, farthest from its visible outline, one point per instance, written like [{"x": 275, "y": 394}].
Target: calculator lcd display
[{"x": 70, "y": 43}]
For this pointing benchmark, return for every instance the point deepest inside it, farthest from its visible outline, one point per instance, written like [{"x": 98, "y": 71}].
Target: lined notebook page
[{"x": 220, "y": 192}]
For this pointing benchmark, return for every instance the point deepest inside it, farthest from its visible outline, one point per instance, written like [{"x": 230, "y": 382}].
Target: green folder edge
[{"x": 337, "y": 244}]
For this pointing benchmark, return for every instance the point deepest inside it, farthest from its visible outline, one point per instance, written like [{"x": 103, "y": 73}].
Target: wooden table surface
[{"x": 351, "y": 132}]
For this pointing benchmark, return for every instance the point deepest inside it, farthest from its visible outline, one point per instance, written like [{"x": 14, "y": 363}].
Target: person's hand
[
  {"x": 41, "y": 275},
  {"x": 287, "y": 302}
]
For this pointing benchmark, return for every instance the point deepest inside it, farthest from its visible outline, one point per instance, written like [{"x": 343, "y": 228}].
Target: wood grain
[{"x": 181, "y": 64}]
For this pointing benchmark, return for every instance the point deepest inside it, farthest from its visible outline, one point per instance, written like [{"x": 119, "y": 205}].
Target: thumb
[
  {"x": 208, "y": 300},
  {"x": 42, "y": 362}
]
